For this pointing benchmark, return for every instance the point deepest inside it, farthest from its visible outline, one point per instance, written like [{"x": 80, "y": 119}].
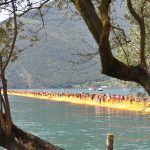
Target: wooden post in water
[{"x": 109, "y": 141}]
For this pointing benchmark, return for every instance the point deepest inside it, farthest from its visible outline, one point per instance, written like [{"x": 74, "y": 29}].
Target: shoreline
[{"x": 126, "y": 105}]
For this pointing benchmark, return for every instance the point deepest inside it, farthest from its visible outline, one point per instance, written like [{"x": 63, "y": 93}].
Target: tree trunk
[
  {"x": 7, "y": 113},
  {"x": 100, "y": 29},
  {"x": 21, "y": 140}
]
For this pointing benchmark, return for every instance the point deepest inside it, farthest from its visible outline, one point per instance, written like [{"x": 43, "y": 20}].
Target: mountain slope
[{"x": 49, "y": 63}]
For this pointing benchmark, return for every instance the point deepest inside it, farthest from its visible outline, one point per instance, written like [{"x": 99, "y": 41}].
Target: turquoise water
[
  {"x": 124, "y": 91},
  {"x": 81, "y": 127}
]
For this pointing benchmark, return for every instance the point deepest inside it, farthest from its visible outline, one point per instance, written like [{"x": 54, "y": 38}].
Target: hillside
[{"x": 52, "y": 62}]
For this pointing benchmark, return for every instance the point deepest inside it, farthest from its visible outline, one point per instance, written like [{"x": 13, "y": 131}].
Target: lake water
[
  {"x": 81, "y": 127},
  {"x": 124, "y": 91}
]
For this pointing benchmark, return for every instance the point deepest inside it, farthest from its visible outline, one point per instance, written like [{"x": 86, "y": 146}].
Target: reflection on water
[{"x": 81, "y": 127}]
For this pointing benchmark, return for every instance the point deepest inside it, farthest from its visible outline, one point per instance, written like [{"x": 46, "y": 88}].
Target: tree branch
[
  {"x": 118, "y": 39},
  {"x": 14, "y": 38},
  {"x": 141, "y": 23},
  {"x": 32, "y": 8},
  {"x": 104, "y": 45},
  {"x": 87, "y": 11},
  {"x": 5, "y": 3}
]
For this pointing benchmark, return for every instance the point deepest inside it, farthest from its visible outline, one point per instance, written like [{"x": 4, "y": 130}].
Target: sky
[{"x": 4, "y": 14}]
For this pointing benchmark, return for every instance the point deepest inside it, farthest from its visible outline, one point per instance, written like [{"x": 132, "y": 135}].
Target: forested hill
[{"x": 53, "y": 61}]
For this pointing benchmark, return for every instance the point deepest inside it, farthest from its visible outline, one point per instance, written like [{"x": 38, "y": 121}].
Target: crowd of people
[{"x": 100, "y": 97}]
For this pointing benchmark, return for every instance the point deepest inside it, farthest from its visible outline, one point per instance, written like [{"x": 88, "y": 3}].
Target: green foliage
[
  {"x": 60, "y": 4},
  {"x": 129, "y": 53},
  {"x": 6, "y": 37}
]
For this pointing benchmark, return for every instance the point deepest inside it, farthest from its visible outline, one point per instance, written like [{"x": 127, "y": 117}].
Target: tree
[
  {"x": 132, "y": 48},
  {"x": 98, "y": 20},
  {"x": 11, "y": 137},
  {"x": 97, "y": 16}
]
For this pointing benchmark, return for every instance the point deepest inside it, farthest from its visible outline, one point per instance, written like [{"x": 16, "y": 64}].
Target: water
[
  {"x": 81, "y": 127},
  {"x": 124, "y": 91}
]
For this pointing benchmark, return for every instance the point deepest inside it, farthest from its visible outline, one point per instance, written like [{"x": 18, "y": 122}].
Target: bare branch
[
  {"x": 123, "y": 32},
  {"x": 121, "y": 46},
  {"x": 5, "y": 3},
  {"x": 43, "y": 24},
  {"x": 32, "y": 8}
]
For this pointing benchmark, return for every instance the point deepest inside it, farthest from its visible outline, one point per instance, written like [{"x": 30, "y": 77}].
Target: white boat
[
  {"x": 100, "y": 89},
  {"x": 91, "y": 88}
]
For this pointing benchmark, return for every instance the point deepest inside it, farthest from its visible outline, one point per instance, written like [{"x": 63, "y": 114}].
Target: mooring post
[{"x": 109, "y": 141}]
